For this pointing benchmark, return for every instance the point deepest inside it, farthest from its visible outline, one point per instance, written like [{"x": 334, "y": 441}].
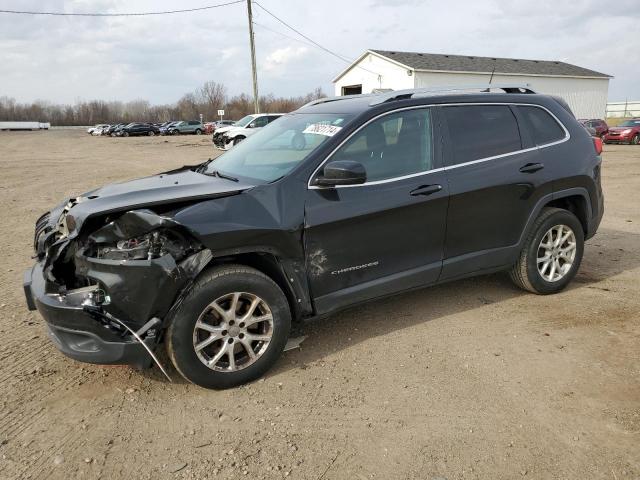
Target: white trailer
[{"x": 24, "y": 126}]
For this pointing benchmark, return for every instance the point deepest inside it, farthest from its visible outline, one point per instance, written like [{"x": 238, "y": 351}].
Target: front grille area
[
  {"x": 42, "y": 226},
  {"x": 218, "y": 140}
]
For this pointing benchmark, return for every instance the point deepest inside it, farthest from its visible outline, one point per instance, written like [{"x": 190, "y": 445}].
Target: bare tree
[
  {"x": 206, "y": 100},
  {"x": 213, "y": 97}
]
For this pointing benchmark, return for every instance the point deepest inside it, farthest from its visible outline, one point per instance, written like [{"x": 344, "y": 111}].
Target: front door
[{"x": 386, "y": 235}]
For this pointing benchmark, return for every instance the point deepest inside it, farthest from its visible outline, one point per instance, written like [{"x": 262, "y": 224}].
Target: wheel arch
[
  {"x": 576, "y": 204},
  {"x": 575, "y": 200},
  {"x": 287, "y": 274}
]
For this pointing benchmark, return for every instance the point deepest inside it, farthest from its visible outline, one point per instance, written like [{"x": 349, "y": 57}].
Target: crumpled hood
[
  {"x": 234, "y": 131},
  {"x": 176, "y": 186},
  {"x": 225, "y": 129}
]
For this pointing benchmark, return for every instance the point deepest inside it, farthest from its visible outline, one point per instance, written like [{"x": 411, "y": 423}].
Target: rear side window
[
  {"x": 481, "y": 131},
  {"x": 544, "y": 128}
]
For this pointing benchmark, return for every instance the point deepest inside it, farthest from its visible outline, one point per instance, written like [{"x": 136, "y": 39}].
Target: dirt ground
[{"x": 473, "y": 379}]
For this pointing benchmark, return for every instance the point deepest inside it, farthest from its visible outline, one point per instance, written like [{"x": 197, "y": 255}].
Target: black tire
[
  {"x": 635, "y": 140},
  {"x": 151, "y": 133},
  {"x": 174, "y": 132},
  {"x": 525, "y": 272},
  {"x": 125, "y": 134},
  {"x": 237, "y": 140},
  {"x": 211, "y": 285},
  {"x": 198, "y": 131}
]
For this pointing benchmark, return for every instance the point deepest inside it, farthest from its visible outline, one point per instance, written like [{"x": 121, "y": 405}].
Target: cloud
[
  {"x": 160, "y": 58},
  {"x": 278, "y": 60}
]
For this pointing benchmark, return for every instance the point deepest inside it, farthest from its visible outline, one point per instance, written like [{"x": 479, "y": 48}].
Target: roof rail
[
  {"x": 405, "y": 94},
  {"x": 337, "y": 99}
]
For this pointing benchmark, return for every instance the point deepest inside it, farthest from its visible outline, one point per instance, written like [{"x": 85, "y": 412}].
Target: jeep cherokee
[{"x": 340, "y": 202}]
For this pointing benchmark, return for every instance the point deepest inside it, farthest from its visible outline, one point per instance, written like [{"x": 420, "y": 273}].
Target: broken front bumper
[{"x": 74, "y": 332}]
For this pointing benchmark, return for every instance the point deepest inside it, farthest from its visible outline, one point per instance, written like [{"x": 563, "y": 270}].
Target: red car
[
  {"x": 627, "y": 132},
  {"x": 210, "y": 127},
  {"x": 600, "y": 126}
]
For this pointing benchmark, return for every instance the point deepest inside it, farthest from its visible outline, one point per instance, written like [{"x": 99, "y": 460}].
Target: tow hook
[{"x": 98, "y": 313}]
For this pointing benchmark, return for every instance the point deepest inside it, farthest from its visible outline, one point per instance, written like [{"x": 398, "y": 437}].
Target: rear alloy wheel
[
  {"x": 551, "y": 254},
  {"x": 230, "y": 329},
  {"x": 636, "y": 139},
  {"x": 556, "y": 253},
  {"x": 151, "y": 133},
  {"x": 198, "y": 132}
]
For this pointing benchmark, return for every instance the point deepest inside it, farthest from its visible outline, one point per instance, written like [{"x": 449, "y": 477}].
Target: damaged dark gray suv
[{"x": 342, "y": 201}]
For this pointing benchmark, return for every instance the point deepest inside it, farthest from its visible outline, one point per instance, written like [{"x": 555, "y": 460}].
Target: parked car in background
[
  {"x": 599, "y": 126},
  {"x": 113, "y": 128},
  {"x": 345, "y": 201},
  {"x": 100, "y": 130},
  {"x": 100, "y": 126},
  {"x": 164, "y": 128},
  {"x": 226, "y": 137},
  {"x": 211, "y": 127},
  {"x": 138, "y": 129},
  {"x": 183, "y": 127},
  {"x": 627, "y": 132}
]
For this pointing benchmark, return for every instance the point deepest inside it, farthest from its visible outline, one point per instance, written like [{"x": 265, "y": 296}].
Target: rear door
[
  {"x": 495, "y": 179},
  {"x": 386, "y": 235}
]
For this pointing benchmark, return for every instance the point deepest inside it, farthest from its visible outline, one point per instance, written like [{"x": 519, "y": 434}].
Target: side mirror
[{"x": 341, "y": 172}]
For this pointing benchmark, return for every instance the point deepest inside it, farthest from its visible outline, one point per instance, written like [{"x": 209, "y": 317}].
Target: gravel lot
[{"x": 473, "y": 379}]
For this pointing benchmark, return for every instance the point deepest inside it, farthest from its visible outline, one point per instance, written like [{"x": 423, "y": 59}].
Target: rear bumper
[{"x": 74, "y": 332}]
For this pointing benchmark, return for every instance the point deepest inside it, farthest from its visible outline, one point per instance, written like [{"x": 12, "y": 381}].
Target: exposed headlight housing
[{"x": 146, "y": 247}]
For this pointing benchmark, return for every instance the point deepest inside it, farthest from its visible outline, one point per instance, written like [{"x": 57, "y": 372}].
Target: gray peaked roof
[{"x": 464, "y": 63}]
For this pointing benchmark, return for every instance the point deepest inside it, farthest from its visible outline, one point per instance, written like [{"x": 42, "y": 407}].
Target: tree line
[{"x": 206, "y": 100}]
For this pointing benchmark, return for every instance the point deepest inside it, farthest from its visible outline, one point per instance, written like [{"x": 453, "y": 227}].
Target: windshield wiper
[
  {"x": 216, "y": 173},
  {"x": 203, "y": 166}
]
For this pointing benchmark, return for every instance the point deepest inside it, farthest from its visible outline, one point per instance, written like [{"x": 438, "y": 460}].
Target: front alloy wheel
[
  {"x": 233, "y": 332},
  {"x": 230, "y": 329}
]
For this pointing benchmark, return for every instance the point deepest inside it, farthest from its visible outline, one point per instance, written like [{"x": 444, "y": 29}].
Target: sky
[{"x": 160, "y": 58}]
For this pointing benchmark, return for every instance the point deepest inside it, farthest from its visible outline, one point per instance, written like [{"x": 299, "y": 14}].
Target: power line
[
  {"x": 136, "y": 14},
  {"x": 283, "y": 34},
  {"x": 303, "y": 35},
  {"x": 313, "y": 41}
]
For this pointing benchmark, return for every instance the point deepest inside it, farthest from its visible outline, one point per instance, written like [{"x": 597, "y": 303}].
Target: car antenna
[{"x": 488, "y": 89}]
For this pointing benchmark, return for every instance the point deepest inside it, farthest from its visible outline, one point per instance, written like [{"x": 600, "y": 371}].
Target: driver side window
[
  {"x": 259, "y": 122},
  {"x": 392, "y": 146}
]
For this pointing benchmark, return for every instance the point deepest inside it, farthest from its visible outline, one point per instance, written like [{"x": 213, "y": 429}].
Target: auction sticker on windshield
[{"x": 322, "y": 129}]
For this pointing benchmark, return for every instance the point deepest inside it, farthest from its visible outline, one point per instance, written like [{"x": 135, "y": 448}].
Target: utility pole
[{"x": 256, "y": 103}]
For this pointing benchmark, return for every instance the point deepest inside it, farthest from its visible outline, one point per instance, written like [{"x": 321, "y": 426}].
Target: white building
[
  {"x": 585, "y": 90},
  {"x": 623, "y": 109}
]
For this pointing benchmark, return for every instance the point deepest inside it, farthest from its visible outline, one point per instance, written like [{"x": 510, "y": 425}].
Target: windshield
[
  {"x": 279, "y": 147},
  {"x": 244, "y": 121},
  {"x": 630, "y": 123}
]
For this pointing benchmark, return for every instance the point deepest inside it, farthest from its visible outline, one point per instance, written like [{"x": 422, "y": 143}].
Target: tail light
[{"x": 597, "y": 144}]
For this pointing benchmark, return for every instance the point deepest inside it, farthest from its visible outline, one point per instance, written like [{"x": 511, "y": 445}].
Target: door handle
[
  {"x": 426, "y": 190},
  {"x": 531, "y": 167}
]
